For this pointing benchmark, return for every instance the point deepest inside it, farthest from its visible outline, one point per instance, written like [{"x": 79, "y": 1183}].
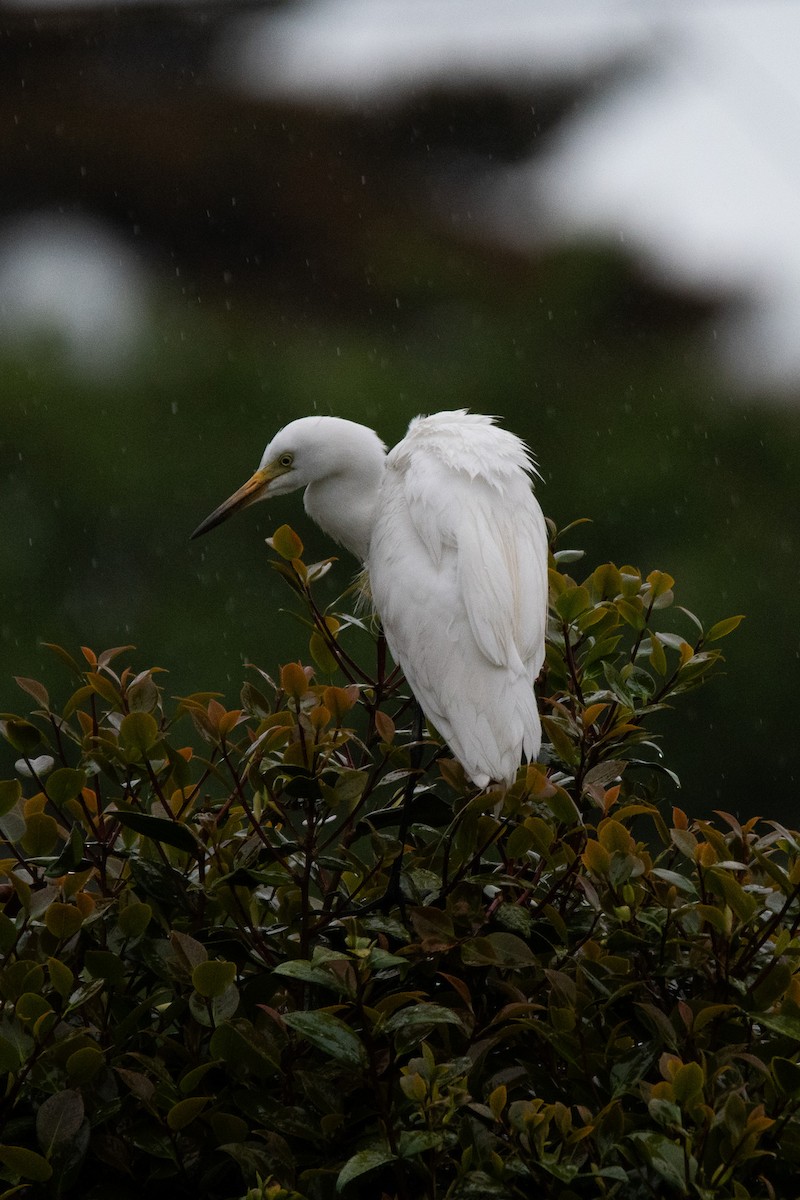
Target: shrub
[{"x": 308, "y": 960}]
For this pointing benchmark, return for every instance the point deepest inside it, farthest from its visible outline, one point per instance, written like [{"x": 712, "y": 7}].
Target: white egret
[{"x": 455, "y": 545}]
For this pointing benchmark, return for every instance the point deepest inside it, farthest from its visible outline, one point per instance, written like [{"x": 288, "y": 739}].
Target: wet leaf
[
  {"x": 309, "y": 973},
  {"x": 361, "y": 1163},
  {"x": 423, "y": 1014},
  {"x": 664, "y": 1156},
  {"x": 159, "y": 829},
  {"x": 330, "y": 1035},
  {"x": 434, "y": 928}
]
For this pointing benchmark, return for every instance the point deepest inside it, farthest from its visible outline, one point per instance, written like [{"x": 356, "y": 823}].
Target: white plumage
[{"x": 456, "y": 549}]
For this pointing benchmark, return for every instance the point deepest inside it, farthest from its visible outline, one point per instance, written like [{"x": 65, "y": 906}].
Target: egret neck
[{"x": 345, "y": 502}]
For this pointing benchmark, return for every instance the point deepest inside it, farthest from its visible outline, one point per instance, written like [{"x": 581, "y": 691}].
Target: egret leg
[{"x": 393, "y": 889}]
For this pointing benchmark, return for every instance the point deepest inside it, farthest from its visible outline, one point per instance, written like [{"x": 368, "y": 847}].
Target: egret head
[{"x": 306, "y": 451}]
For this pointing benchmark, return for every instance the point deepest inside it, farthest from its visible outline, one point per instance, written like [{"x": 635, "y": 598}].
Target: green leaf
[
  {"x": 419, "y": 1141},
  {"x": 434, "y": 928},
  {"x": 185, "y": 1111},
  {"x": 631, "y": 580},
  {"x": 21, "y": 976},
  {"x": 8, "y": 933},
  {"x": 507, "y": 950},
  {"x": 41, "y": 834},
  {"x": 660, "y": 583},
  {"x": 65, "y": 657},
  {"x": 563, "y": 807},
  {"x": 288, "y": 573},
  {"x": 23, "y": 736},
  {"x": 82, "y": 1065},
  {"x": 71, "y": 857},
  {"x": 330, "y": 1035},
  {"x": 10, "y": 1060},
  {"x": 138, "y": 732},
  {"x": 63, "y": 920},
  {"x": 632, "y": 612},
  {"x": 361, "y": 1163},
  {"x": 605, "y": 581},
  {"x": 723, "y": 628},
  {"x": 65, "y": 784},
  {"x": 61, "y": 977},
  {"x": 322, "y": 654},
  {"x": 227, "y": 1128},
  {"x": 254, "y": 1161},
  {"x": 346, "y": 792},
  {"x": 710, "y": 1012},
  {"x": 159, "y": 829},
  {"x": 213, "y": 977},
  {"x": 298, "y": 968},
  {"x": 210, "y": 1012},
  {"x": 425, "y": 1014},
  {"x": 26, "y": 1163},
  {"x": 787, "y": 1075},
  {"x": 10, "y": 793},
  {"x": 725, "y": 886},
  {"x": 572, "y": 602},
  {"x": 601, "y": 649},
  {"x": 687, "y": 1083},
  {"x": 657, "y": 658},
  {"x": 103, "y": 964},
  {"x": 658, "y": 1022},
  {"x": 134, "y": 919},
  {"x": 773, "y": 984},
  {"x": 189, "y": 1080},
  {"x": 238, "y": 1043},
  {"x": 104, "y": 688},
  {"x": 664, "y": 1156},
  {"x": 561, "y": 741}
]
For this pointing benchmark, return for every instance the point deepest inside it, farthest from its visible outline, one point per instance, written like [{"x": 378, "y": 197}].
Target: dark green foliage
[{"x": 212, "y": 987}]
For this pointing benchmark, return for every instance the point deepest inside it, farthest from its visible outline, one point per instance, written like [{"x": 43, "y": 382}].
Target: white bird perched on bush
[{"x": 455, "y": 545}]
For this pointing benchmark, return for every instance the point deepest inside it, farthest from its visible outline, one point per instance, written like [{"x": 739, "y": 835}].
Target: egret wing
[{"x": 458, "y": 572}]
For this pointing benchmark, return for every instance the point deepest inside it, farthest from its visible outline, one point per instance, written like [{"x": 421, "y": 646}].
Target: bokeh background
[{"x": 215, "y": 217}]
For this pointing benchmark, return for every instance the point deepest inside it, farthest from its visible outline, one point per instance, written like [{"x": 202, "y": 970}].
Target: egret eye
[{"x": 286, "y": 460}]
